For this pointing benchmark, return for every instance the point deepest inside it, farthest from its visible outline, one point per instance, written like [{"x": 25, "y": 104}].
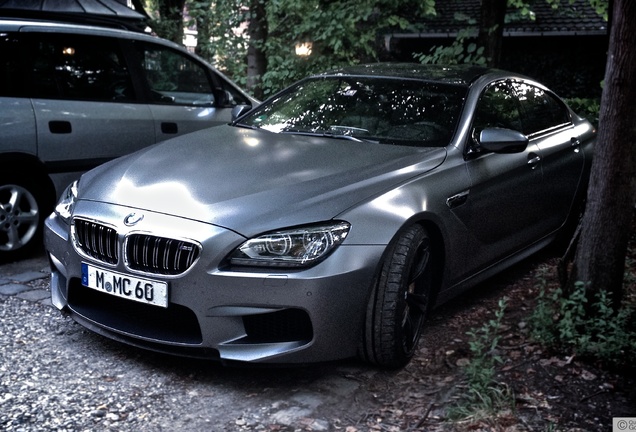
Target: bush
[
  {"x": 484, "y": 395},
  {"x": 589, "y": 329},
  {"x": 586, "y": 107}
]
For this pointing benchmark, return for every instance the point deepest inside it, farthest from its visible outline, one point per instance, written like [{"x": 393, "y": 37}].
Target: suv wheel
[{"x": 22, "y": 210}]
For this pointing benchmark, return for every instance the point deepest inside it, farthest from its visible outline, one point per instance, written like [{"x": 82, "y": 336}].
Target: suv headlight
[
  {"x": 295, "y": 247},
  {"x": 64, "y": 207}
]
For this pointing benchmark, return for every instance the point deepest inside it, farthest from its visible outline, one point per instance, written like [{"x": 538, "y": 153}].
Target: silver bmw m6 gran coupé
[{"x": 325, "y": 223}]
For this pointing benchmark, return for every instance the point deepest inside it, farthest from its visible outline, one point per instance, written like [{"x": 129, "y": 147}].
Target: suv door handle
[
  {"x": 60, "y": 127},
  {"x": 169, "y": 128}
]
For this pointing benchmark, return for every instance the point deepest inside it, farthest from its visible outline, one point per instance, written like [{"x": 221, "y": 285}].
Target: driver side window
[
  {"x": 497, "y": 108},
  {"x": 174, "y": 78}
]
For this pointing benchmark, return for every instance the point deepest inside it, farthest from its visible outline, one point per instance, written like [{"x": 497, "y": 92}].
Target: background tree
[
  {"x": 167, "y": 21},
  {"x": 341, "y": 32},
  {"x": 203, "y": 14},
  {"x": 491, "y": 26},
  {"x": 600, "y": 257},
  {"x": 263, "y": 58},
  {"x": 257, "y": 32}
]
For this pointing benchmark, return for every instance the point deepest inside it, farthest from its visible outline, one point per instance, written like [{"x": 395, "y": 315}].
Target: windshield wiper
[
  {"x": 246, "y": 126},
  {"x": 323, "y": 134}
]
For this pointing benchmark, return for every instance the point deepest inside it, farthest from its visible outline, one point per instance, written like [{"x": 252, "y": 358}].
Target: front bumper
[{"x": 221, "y": 313}]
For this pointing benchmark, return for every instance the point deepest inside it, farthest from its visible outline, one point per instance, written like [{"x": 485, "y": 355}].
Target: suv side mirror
[{"x": 499, "y": 140}]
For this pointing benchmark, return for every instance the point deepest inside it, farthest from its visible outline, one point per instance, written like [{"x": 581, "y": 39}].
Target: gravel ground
[
  {"x": 54, "y": 375},
  {"x": 57, "y": 376}
]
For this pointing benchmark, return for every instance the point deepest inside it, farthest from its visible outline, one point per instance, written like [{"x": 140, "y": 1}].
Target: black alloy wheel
[{"x": 400, "y": 301}]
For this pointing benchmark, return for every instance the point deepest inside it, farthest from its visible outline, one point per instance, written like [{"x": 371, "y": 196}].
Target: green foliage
[
  {"x": 164, "y": 27},
  {"x": 483, "y": 344},
  {"x": 166, "y": 18},
  {"x": 586, "y": 107},
  {"x": 463, "y": 50},
  {"x": 587, "y": 327},
  {"x": 218, "y": 42},
  {"x": 601, "y": 7},
  {"x": 484, "y": 395},
  {"x": 523, "y": 9},
  {"x": 342, "y": 33}
]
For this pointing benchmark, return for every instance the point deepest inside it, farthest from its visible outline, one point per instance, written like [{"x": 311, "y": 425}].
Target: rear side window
[
  {"x": 78, "y": 67},
  {"x": 540, "y": 110},
  {"x": 10, "y": 73}
]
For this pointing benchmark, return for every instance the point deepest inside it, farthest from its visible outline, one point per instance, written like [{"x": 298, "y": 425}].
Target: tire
[
  {"x": 400, "y": 301},
  {"x": 23, "y": 208}
]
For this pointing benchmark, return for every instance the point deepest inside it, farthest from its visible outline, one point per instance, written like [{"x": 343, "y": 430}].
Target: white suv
[{"x": 74, "y": 96}]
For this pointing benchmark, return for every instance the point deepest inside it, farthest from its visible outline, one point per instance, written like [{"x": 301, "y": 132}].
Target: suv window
[
  {"x": 10, "y": 73},
  {"x": 78, "y": 68},
  {"x": 541, "y": 111},
  {"x": 174, "y": 78}
]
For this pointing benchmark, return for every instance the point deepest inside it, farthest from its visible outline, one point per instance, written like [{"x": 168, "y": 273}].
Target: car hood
[{"x": 251, "y": 181}]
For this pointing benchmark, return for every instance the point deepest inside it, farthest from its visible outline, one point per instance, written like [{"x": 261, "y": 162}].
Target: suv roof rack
[{"x": 102, "y": 13}]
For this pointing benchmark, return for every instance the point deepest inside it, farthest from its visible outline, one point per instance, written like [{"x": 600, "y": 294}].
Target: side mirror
[
  {"x": 224, "y": 98},
  {"x": 499, "y": 140},
  {"x": 239, "y": 110}
]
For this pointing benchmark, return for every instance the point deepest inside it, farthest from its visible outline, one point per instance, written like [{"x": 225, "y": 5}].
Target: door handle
[
  {"x": 533, "y": 160},
  {"x": 169, "y": 128},
  {"x": 457, "y": 200},
  {"x": 576, "y": 143},
  {"x": 60, "y": 127}
]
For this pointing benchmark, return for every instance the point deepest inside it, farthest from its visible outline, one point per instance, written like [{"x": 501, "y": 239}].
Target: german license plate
[{"x": 125, "y": 286}]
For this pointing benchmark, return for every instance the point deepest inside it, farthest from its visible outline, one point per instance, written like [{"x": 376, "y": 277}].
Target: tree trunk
[
  {"x": 256, "y": 58},
  {"x": 600, "y": 257},
  {"x": 491, "y": 26},
  {"x": 171, "y": 16}
]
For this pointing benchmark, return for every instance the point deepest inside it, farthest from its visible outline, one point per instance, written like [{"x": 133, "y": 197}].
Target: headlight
[
  {"x": 64, "y": 207},
  {"x": 296, "y": 247}
]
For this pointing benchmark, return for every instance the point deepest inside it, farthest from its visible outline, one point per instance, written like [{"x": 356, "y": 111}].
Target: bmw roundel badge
[{"x": 133, "y": 219}]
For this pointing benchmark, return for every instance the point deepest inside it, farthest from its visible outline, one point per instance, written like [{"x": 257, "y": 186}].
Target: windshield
[{"x": 386, "y": 110}]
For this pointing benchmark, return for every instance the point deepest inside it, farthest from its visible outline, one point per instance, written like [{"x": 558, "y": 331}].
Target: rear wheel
[
  {"x": 400, "y": 301},
  {"x": 22, "y": 211}
]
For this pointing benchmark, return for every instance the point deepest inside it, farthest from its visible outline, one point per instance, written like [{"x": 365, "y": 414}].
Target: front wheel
[
  {"x": 400, "y": 301},
  {"x": 21, "y": 218}
]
